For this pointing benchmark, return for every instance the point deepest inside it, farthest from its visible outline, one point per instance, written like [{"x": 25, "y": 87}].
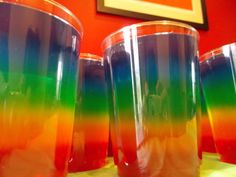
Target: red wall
[{"x": 221, "y": 19}]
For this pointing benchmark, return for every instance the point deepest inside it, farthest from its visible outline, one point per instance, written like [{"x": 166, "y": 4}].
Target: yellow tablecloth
[{"x": 211, "y": 167}]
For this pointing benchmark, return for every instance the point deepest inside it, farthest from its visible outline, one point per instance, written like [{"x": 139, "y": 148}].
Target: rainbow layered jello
[
  {"x": 91, "y": 126},
  {"x": 208, "y": 143},
  {"x": 155, "y": 94},
  {"x": 218, "y": 78},
  {"x": 38, "y": 81}
]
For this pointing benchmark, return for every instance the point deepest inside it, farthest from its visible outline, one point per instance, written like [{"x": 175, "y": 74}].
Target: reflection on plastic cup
[
  {"x": 91, "y": 127},
  {"x": 38, "y": 79},
  {"x": 155, "y": 94},
  {"x": 208, "y": 143},
  {"x": 218, "y": 81}
]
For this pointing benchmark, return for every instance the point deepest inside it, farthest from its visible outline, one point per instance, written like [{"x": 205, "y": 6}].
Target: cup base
[
  {"x": 85, "y": 167},
  {"x": 228, "y": 159},
  {"x": 227, "y": 150}
]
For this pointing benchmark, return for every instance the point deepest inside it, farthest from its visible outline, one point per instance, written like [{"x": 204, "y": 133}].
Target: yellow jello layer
[{"x": 224, "y": 122}]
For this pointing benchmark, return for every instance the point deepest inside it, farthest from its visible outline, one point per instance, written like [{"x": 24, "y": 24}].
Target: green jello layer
[
  {"x": 37, "y": 90},
  {"x": 95, "y": 103},
  {"x": 172, "y": 102},
  {"x": 219, "y": 92}
]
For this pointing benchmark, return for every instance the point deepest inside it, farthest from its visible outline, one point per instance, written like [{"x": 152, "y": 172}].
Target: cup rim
[
  {"x": 51, "y": 8},
  {"x": 217, "y": 51},
  {"x": 89, "y": 56},
  {"x": 148, "y": 28}
]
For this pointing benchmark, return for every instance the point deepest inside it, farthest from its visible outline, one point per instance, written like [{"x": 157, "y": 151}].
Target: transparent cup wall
[
  {"x": 153, "y": 77},
  {"x": 218, "y": 80},
  {"x": 208, "y": 143},
  {"x": 38, "y": 76}
]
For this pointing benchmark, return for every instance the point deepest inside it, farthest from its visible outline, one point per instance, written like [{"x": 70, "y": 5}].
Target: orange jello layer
[
  {"x": 30, "y": 126},
  {"x": 224, "y": 122},
  {"x": 38, "y": 138},
  {"x": 206, "y": 129},
  {"x": 92, "y": 128}
]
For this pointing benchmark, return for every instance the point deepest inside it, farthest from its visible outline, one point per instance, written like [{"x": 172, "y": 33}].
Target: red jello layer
[
  {"x": 208, "y": 144},
  {"x": 90, "y": 143},
  {"x": 224, "y": 126}
]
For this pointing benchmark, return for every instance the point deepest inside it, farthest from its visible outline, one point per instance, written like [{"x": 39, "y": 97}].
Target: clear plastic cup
[
  {"x": 39, "y": 49},
  {"x": 91, "y": 127},
  {"x": 153, "y": 77},
  {"x": 218, "y": 81}
]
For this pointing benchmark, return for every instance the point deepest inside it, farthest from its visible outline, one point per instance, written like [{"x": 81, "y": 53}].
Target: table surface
[{"x": 211, "y": 167}]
